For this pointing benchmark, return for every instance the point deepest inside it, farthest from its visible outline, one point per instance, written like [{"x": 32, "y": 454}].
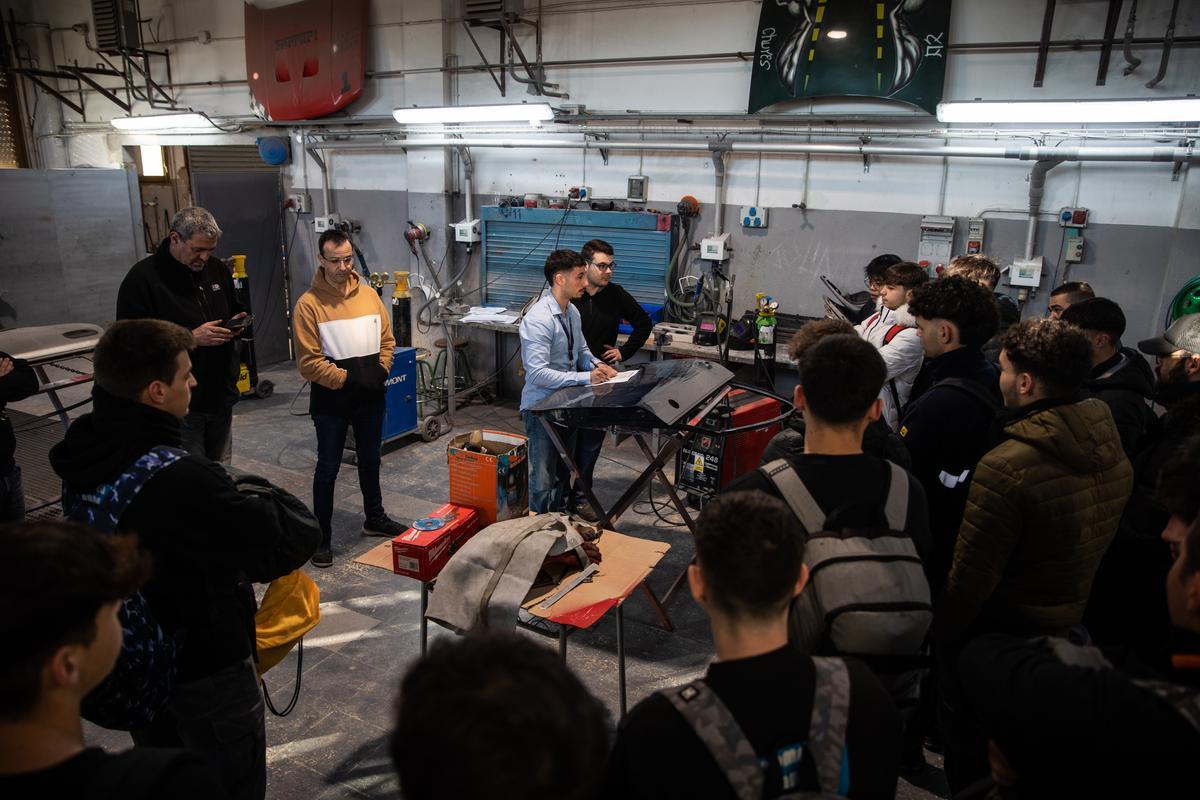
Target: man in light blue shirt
[{"x": 555, "y": 355}]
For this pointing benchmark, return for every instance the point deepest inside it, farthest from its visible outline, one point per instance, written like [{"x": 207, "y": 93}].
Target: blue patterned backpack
[{"x": 141, "y": 681}]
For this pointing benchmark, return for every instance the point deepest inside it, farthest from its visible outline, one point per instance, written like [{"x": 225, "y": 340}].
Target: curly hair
[
  {"x": 960, "y": 300},
  {"x": 976, "y": 267},
  {"x": 1054, "y": 352},
  {"x": 814, "y": 331}
]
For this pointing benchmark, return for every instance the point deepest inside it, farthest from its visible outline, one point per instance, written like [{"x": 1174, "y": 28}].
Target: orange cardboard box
[
  {"x": 496, "y": 481},
  {"x": 422, "y": 554}
]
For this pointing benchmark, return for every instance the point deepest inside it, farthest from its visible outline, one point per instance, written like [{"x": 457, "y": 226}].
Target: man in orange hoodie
[{"x": 344, "y": 348}]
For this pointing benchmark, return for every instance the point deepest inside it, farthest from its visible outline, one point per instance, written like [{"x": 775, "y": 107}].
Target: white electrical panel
[
  {"x": 1026, "y": 273},
  {"x": 1073, "y": 245},
  {"x": 326, "y": 222},
  {"x": 466, "y": 232},
  {"x": 753, "y": 217},
  {"x": 300, "y": 202},
  {"x": 580, "y": 193},
  {"x": 637, "y": 188},
  {"x": 975, "y": 229},
  {"x": 937, "y": 242},
  {"x": 715, "y": 248}
]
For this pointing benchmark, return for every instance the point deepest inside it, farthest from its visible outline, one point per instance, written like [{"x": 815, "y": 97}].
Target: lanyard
[{"x": 570, "y": 336}]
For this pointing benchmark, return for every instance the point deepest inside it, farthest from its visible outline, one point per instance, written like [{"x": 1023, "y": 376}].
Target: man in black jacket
[
  {"x": 1120, "y": 376},
  {"x": 182, "y": 283},
  {"x": 17, "y": 381},
  {"x": 947, "y": 426},
  {"x": 208, "y": 543},
  {"x": 601, "y": 308}
]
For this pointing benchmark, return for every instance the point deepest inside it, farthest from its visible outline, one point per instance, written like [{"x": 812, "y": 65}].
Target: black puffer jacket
[
  {"x": 207, "y": 540},
  {"x": 1125, "y": 383}
]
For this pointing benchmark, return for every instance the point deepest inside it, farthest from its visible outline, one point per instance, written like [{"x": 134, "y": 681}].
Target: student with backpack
[
  {"x": 949, "y": 422},
  {"x": 124, "y": 463},
  {"x": 893, "y": 331},
  {"x": 767, "y": 719},
  {"x": 61, "y": 589}
]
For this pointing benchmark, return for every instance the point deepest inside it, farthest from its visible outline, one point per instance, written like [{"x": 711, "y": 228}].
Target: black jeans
[
  {"x": 221, "y": 718},
  {"x": 12, "y": 496},
  {"x": 588, "y": 443},
  {"x": 209, "y": 434},
  {"x": 331, "y": 441}
]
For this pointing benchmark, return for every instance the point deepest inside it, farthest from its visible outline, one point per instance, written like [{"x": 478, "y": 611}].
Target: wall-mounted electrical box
[
  {"x": 975, "y": 229},
  {"x": 1073, "y": 246},
  {"x": 753, "y": 217},
  {"x": 1026, "y": 273},
  {"x": 1073, "y": 218},
  {"x": 580, "y": 193},
  {"x": 937, "y": 242},
  {"x": 300, "y": 202},
  {"x": 466, "y": 232},
  {"x": 715, "y": 248},
  {"x": 326, "y": 222},
  {"x": 637, "y": 188}
]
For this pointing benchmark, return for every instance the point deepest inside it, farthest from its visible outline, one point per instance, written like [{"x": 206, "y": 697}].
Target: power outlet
[{"x": 300, "y": 202}]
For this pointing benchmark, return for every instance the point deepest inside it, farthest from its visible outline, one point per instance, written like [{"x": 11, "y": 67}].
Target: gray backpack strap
[
  {"x": 830, "y": 718},
  {"x": 796, "y": 494},
  {"x": 896, "y": 507},
  {"x": 716, "y": 727}
]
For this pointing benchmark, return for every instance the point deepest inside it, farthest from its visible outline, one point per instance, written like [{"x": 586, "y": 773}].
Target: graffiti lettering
[
  {"x": 934, "y": 45},
  {"x": 765, "y": 56}
]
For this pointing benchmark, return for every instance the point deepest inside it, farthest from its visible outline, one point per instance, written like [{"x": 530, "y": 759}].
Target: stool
[
  {"x": 425, "y": 391},
  {"x": 462, "y": 367}
]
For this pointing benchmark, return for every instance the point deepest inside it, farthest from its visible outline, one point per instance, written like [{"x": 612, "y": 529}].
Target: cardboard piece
[
  {"x": 625, "y": 563},
  {"x": 422, "y": 554},
  {"x": 495, "y": 482},
  {"x": 378, "y": 556}
]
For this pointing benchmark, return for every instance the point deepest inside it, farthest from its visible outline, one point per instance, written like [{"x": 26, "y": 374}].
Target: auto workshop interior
[{"x": 386, "y": 190}]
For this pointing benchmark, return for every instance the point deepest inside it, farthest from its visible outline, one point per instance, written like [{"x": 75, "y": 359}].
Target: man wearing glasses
[
  {"x": 602, "y": 306},
  {"x": 344, "y": 348},
  {"x": 874, "y": 273}
]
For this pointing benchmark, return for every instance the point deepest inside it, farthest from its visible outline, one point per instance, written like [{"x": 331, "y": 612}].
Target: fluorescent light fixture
[
  {"x": 835, "y": 35},
  {"x": 190, "y": 121},
  {"x": 508, "y": 112},
  {"x": 1039, "y": 111}
]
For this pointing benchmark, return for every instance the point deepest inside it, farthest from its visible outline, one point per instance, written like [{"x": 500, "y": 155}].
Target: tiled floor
[{"x": 334, "y": 744}]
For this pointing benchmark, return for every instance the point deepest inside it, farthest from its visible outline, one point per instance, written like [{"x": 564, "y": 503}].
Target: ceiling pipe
[
  {"x": 1037, "y": 189},
  {"x": 1178, "y": 154}
]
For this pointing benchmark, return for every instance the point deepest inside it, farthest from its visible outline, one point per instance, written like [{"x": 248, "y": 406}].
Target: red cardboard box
[
  {"x": 422, "y": 554},
  {"x": 495, "y": 481}
]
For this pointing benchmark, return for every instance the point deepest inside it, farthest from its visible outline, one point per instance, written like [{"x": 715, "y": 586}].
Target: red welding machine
[{"x": 711, "y": 460}]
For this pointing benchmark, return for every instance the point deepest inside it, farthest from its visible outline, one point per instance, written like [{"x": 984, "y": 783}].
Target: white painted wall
[{"x": 403, "y": 37}]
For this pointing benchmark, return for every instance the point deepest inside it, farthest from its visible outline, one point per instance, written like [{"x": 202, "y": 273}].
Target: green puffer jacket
[{"x": 1042, "y": 509}]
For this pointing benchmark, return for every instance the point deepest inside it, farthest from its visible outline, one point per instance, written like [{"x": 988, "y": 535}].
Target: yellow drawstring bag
[{"x": 290, "y": 608}]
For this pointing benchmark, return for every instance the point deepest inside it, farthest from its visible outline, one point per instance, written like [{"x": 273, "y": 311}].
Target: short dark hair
[
  {"x": 1055, "y": 353},
  {"x": 1075, "y": 291},
  {"x": 749, "y": 576},
  {"x": 960, "y": 300},
  {"x": 906, "y": 274},
  {"x": 814, "y": 331},
  {"x": 332, "y": 235},
  {"x": 1179, "y": 481},
  {"x": 54, "y": 578},
  {"x": 841, "y": 376},
  {"x": 497, "y": 715},
  {"x": 133, "y": 353},
  {"x": 977, "y": 267},
  {"x": 1097, "y": 314},
  {"x": 595, "y": 246},
  {"x": 877, "y": 267},
  {"x": 561, "y": 261}
]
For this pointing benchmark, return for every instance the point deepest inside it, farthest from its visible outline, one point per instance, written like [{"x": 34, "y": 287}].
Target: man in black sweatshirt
[
  {"x": 207, "y": 540},
  {"x": 182, "y": 283},
  {"x": 601, "y": 308}
]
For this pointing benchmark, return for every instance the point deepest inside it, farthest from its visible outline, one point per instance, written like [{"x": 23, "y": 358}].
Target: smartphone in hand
[{"x": 238, "y": 322}]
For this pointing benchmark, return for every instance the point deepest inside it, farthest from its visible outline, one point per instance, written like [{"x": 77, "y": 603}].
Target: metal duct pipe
[
  {"x": 1037, "y": 188},
  {"x": 718, "y": 158},
  {"x": 468, "y": 182},
  {"x": 1029, "y": 153},
  {"x": 326, "y": 196}
]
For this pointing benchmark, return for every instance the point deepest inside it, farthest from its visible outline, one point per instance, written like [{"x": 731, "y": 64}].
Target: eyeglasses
[
  {"x": 872, "y": 283},
  {"x": 604, "y": 267},
  {"x": 344, "y": 260}
]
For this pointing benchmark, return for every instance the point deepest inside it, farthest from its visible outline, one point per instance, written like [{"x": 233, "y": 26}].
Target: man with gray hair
[{"x": 180, "y": 283}]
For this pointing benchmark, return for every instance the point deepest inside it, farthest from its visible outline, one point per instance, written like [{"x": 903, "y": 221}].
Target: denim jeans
[
  {"x": 587, "y": 452},
  {"x": 549, "y": 478},
  {"x": 209, "y": 434},
  {"x": 331, "y": 441},
  {"x": 12, "y": 496},
  {"x": 221, "y": 718}
]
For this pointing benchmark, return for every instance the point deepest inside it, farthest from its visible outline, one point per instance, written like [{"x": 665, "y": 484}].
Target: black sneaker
[
  {"x": 382, "y": 526},
  {"x": 323, "y": 557},
  {"x": 586, "y": 513}
]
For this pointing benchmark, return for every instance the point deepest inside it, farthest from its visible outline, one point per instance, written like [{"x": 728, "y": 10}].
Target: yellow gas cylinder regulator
[{"x": 767, "y": 308}]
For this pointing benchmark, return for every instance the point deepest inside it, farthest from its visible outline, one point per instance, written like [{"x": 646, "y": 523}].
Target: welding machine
[{"x": 711, "y": 460}]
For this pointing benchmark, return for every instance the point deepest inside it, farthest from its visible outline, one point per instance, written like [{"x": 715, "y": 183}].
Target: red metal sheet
[{"x": 307, "y": 59}]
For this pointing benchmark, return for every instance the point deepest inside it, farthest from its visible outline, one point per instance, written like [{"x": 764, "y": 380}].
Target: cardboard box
[
  {"x": 495, "y": 482},
  {"x": 422, "y": 554}
]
